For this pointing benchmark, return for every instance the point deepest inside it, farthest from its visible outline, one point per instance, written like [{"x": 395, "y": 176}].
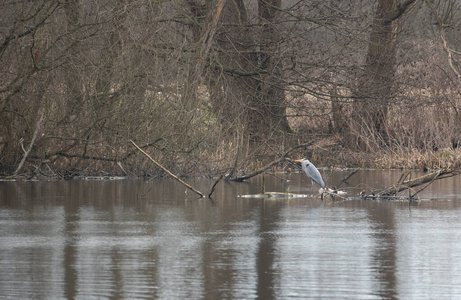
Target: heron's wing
[{"x": 314, "y": 174}]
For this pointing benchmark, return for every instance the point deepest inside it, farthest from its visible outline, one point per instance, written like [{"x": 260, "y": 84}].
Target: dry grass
[{"x": 413, "y": 159}]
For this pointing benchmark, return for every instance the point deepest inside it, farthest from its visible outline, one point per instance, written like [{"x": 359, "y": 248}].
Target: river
[{"x": 135, "y": 239}]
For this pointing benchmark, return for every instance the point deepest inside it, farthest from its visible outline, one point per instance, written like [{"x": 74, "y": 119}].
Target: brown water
[{"x": 100, "y": 239}]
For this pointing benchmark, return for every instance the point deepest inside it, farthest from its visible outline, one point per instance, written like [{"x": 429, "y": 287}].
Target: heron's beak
[{"x": 298, "y": 160}]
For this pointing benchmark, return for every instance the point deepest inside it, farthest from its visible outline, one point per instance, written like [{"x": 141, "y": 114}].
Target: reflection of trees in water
[
  {"x": 268, "y": 225},
  {"x": 106, "y": 242},
  {"x": 385, "y": 252}
]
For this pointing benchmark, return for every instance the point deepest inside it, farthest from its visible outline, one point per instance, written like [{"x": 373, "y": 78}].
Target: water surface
[{"x": 134, "y": 239}]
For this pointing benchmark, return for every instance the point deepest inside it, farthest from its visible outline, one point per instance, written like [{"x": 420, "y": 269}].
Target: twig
[
  {"x": 278, "y": 177},
  {"x": 403, "y": 177},
  {"x": 424, "y": 187},
  {"x": 123, "y": 169},
  {"x": 168, "y": 172},
  {"x": 234, "y": 168},
  {"x": 143, "y": 194},
  {"x": 23, "y": 160},
  {"x": 214, "y": 186},
  {"x": 263, "y": 186},
  {"x": 348, "y": 176}
]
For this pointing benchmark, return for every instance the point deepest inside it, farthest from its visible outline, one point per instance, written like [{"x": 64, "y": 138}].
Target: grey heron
[{"x": 311, "y": 171}]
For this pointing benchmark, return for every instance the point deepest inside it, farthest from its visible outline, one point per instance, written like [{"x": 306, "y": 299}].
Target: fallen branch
[
  {"x": 333, "y": 194},
  {"x": 345, "y": 179},
  {"x": 424, "y": 187},
  {"x": 269, "y": 165},
  {"x": 257, "y": 172},
  {"x": 26, "y": 154},
  {"x": 63, "y": 154},
  {"x": 392, "y": 191},
  {"x": 214, "y": 186},
  {"x": 167, "y": 171}
]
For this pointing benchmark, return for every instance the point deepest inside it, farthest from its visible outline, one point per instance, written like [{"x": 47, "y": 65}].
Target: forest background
[{"x": 226, "y": 86}]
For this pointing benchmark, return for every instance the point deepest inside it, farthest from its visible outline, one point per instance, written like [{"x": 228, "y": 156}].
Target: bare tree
[
  {"x": 202, "y": 82},
  {"x": 269, "y": 103},
  {"x": 24, "y": 82},
  {"x": 376, "y": 85}
]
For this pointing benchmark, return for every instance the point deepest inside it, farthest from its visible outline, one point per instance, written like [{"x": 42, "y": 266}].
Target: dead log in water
[
  {"x": 403, "y": 185},
  {"x": 168, "y": 172},
  {"x": 282, "y": 158}
]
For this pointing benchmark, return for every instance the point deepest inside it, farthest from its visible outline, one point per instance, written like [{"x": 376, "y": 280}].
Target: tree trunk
[
  {"x": 203, "y": 34},
  {"x": 244, "y": 81},
  {"x": 231, "y": 73},
  {"x": 375, "y": 88},
  {"x": 339, "y": 122},
  {"x": 269, "y": 105},
  {"x": 72, "y": 73}
]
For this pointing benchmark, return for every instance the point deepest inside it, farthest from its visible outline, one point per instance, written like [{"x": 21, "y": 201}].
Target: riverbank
[{"x": 324, "y": 153}]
